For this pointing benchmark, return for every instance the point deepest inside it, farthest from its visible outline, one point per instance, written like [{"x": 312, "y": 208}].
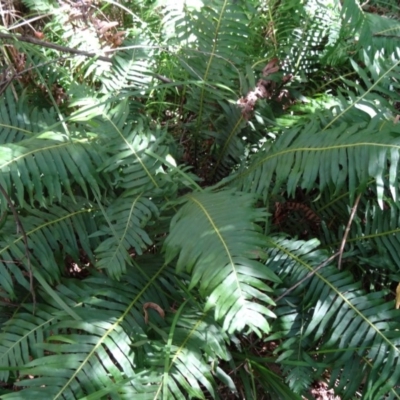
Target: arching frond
[
  {"x": 20, "y": 121},
  {"x": 330, "y": 310},
  {"x": 310, "y": 156},
  {"x": 14, "y": 125},
  {"x": 50, "y": 235},
  {"x": 112, "y": 336},
  {"x": 125, "y": 221},
  {"x": 220, "y": 251},
  {"x": 136, "y": 154},
  {"x": 43, "y": 168}
]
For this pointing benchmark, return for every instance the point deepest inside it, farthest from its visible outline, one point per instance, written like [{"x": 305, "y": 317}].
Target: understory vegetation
[{"x": 199, "y": 199}]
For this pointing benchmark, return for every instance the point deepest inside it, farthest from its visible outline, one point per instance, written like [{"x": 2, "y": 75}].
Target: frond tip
[{"x": 220, "y": 251}]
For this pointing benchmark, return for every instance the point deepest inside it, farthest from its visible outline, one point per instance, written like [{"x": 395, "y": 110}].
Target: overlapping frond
[
  {"x": 136, "y": 155},
  {"x": 117, "y": 345},
  {"x": 311, "y": 156},
  {"x": 92, "y": 180},
  {"x": 373, "y": 238},
  {"x": 50, "y": 235},
  {"x": 43, "y": 168},
  {"x": 23, "y": 332},
  {"x": 14, "y": 126},
  {"x": 220, "y": 250},
  {"x": 96, "y": 347},
  {"x": 191, "y": 357},
  {"x": 330, "y": 310},
  {"x": 213, "y": 54},
  {"x": 126, "y": 220},
  {"x": 305, "y": 33}
]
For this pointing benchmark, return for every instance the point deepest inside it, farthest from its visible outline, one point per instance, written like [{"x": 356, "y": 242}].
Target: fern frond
[
  {"x": 136, "y": 155},
  {"x": 44, "y": 167},
  {"x": 312, "y": 156},
  {"x": 126, "y": 219},
  {"x": 50, "y": 234},
  {"x": 92, "y": 354},
  {"x": 14, "y": 125},
  {"x": 372, "y": 241},
  {"x": 195, "y": 347},
  {"x": 330, "y": 310},
  {"x": 20, "y": 333},
  {"x": 111, "y": 348},
  {"x": 306, "y": 34},
  {"x": 220, "y": 252}
]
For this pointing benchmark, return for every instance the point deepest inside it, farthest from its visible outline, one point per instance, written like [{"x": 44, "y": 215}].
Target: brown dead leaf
[
  {"x": 271, "y": 67},
  {"x": 398, "y": 297},
  {"x": 154, "y": 306}
]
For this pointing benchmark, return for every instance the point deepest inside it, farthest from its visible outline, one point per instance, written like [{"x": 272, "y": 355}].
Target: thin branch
[
  {"x": 346, "y": 232},
  {"x": 65, "y": 49},
  {"x": 21, "y": 229},
  {"x": 43, "y": 43},
  {"x": 386, "y": 36},
  {"x": 364, "y": 4},
  {"x": 331, "y": 258},
  {"x": 285, "y": 293}
]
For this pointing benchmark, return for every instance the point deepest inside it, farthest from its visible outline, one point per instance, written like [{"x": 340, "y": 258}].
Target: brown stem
[
  {"x": 346, "y": 232},
  {"x": 286, "y": 292},
  {"x": 43, "y": 43},
  {"x": 65, "y": 49}
]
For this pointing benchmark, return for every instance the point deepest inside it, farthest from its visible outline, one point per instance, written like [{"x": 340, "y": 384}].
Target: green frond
[
  {"x": 126, "y": 219},
  {"x": 192, "y": 355},
  {"x": 111, "y": 349},
  {"x": 212, "y": 55},
  {"x": 380, "y": 228},
  {"x": 77, "y": 357},
  {"x": 220, "y": 251},
  {"x": 22, "y": 332},
  {"x": 123, "y": 275},
  {"x": 353, "y": 14},
  {"x": 229, "y": 141},
  {"x": 44, "y": 167},
  {"x": 331, "y": 311},
  {"x": 41, "y": 6},
  {"x": 85, "y": 355},
  {"x": 372, "y": 241},
  {"x": 136, "y": 155},
  {"x": 130, "y": 69},
  {"x": 51, "y": 235},
  {"x": 20, "y": 121},
  {"x": 13, "y": 127},
  {"x": 312, "y": 156},
  {"x": 305, "y": 33}
]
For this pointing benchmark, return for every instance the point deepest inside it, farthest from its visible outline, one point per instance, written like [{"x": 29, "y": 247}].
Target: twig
[
  {"x": 164, "y": 79},
  {"x": 43, "y": 43},
  {"x": 346, "y": 232},
  {"x": 21, "y": 229},
  {"x": 65, "y": 49},
  {"x": 285, "y": 293}
]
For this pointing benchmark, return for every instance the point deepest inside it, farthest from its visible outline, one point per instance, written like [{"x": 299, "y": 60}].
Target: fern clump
[{"x": 199, "y": 200}]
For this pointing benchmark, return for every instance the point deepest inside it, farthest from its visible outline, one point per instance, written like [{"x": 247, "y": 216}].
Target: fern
[
  {"x": 222, "y": 257},
  {"x": 343, "y": 317},
  {"x": 124, "y": 274}
]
